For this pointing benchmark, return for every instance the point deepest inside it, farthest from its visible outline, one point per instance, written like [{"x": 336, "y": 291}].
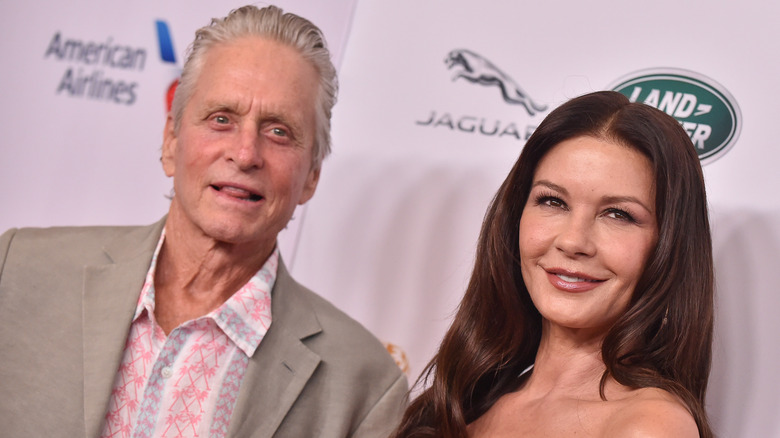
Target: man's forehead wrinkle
[{"x": 235, "y": 102}]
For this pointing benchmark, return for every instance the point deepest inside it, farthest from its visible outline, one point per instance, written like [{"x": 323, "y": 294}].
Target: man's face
[{"x": 241, "y": 160}]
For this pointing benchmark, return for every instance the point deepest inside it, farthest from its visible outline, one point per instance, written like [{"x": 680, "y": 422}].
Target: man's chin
[{"x": 239, "y": 233}]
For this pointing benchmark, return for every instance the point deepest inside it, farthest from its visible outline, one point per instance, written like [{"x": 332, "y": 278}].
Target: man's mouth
[{"x": 237, "y": 193}]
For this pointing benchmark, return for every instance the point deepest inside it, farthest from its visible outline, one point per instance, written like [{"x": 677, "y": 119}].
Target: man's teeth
[{"x": 572, "y": 279}]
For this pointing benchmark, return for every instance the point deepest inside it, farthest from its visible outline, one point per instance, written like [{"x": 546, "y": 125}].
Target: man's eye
[
  {"x": 221, "y": 119},
  {"x": 280, "y": 132}
]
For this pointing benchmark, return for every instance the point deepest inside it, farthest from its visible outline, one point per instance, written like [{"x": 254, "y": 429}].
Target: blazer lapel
[
  {"x": 281, "y": 366},
  {"x": 109, "y": 299}
]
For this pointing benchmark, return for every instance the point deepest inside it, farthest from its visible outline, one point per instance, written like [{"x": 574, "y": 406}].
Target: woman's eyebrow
[{"x": 551, "y": 185}]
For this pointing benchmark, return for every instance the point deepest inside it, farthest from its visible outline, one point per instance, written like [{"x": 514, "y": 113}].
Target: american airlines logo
[
  {"x": 105, "y": 69},
  {"x": 167, "y": 55}
]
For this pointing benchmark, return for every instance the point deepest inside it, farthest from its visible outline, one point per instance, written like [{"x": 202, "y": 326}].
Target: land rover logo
[{"x": 706, "y": 110}]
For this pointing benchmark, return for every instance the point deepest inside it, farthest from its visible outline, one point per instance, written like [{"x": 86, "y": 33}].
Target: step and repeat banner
[{"x": 437, "y": 99}]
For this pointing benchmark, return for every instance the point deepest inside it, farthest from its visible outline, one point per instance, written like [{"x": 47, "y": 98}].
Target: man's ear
[
  {"x": 310, "y": 186},
  {"x": 169, "y": 147}
]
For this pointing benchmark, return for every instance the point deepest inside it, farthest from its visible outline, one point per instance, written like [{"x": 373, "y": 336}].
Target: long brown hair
[{"x": 664, "y": 338}]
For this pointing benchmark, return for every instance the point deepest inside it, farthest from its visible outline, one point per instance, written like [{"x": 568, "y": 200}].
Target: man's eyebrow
[
  {"x": 274, "y": 117},
  {"x": 291, "y": 122},
  {"x": 211, "y": 107}
]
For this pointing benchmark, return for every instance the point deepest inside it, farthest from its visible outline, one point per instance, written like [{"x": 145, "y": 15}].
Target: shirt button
[{"x": 167, "y": 372}]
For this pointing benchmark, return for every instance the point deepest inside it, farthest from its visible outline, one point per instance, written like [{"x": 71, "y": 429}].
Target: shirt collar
[
  {"x": 146, "y": 299},
  {"x": 245, "y": 317}
]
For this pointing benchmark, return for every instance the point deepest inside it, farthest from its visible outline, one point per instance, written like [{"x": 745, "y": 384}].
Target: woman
[{"x": 589, "y": 311}]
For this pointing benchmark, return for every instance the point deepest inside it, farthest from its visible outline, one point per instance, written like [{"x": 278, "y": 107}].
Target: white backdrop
[{"x": 389, "y": 236}]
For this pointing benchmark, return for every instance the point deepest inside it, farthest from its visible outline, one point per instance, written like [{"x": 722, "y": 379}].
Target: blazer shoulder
[
  {"x": 356, "y": 389},
  {"x": 83, "y": 236},
  {"x": 345, "y": 346},
  {"x": 77, "y": 244},
  {"x": 5, "y": 243},
  {"x": 342, "y": 335}
]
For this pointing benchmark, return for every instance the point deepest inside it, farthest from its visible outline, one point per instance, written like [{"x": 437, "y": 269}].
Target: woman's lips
[{"x": 572, "y": 282}]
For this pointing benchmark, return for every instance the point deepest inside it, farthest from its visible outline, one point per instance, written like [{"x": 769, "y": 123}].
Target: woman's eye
[
  {"x": 616, "y": 213},
  {"x": 551, "y": 201}
]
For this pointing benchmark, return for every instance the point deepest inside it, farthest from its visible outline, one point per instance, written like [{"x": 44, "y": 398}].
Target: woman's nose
[{"x": 576, "y": 236}]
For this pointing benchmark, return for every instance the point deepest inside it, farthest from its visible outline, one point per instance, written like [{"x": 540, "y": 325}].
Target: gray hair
[{"x": 272, "y": 23}]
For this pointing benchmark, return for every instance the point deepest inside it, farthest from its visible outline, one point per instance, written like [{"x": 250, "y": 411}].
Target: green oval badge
[{"x": 705, "y": 109}]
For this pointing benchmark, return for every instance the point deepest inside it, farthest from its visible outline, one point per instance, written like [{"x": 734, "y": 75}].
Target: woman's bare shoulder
[{"x": 651, "y": 413}]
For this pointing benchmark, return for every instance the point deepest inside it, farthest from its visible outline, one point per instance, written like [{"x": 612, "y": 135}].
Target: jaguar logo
[{"x": 477, "y": 69}]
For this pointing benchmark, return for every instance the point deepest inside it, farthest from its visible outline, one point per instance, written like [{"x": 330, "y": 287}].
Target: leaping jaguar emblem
[{"x": 475, "y": 68}]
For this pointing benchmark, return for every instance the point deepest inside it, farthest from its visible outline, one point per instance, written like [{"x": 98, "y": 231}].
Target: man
[{"x": 192, "y": 326}]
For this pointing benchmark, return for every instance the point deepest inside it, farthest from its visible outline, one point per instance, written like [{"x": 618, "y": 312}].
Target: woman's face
[{"x": 586, "y": 232}]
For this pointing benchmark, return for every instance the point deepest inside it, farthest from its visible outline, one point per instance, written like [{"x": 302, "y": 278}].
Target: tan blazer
[{"x": 67, "y": 296}]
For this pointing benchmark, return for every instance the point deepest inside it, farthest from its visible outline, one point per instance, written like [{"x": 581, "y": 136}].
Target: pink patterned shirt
[{"x": 186, "y": 384}]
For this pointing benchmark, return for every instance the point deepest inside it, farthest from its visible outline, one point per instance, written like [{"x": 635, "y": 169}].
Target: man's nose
[{"x": 246, "y": 150}]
